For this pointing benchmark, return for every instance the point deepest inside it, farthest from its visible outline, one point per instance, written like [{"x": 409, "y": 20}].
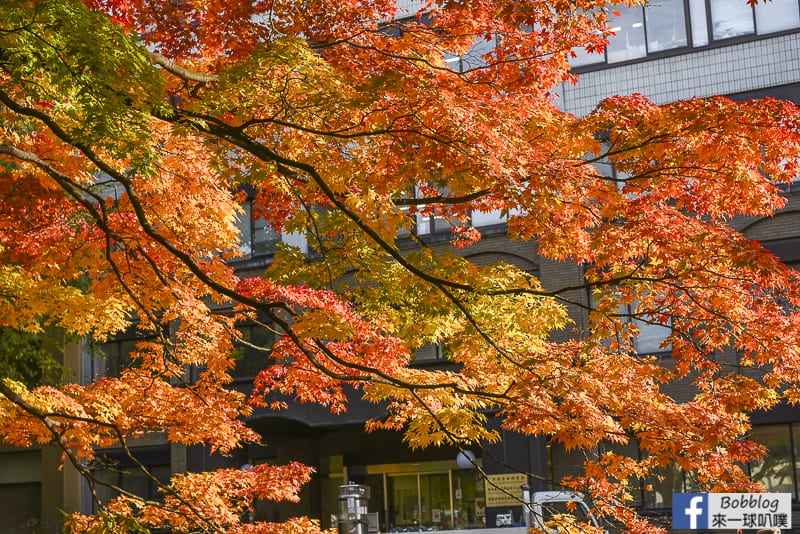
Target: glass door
[
  {"x": 420, "y": 501},
  {"x": 424, "y": 496},
  {"x": 435, "y": 501},
  {"x": 403, "y": 493},
  {"x": 469, "y": 501}
]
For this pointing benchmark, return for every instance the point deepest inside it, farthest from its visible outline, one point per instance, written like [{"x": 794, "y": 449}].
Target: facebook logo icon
[{"x": 689, "y": 510}]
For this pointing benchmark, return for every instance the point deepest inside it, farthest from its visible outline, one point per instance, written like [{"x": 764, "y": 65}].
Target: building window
[
  {"x": 666, "y": 25},
  {"x": 431, "y": 352},
  {"x": 488, "y": 218},
  {"x": 258, "y": 237},
  {"x": 474, "y": 59},
  {"x": 776, "y": 470},
  {"x": 662, "y": 26},
  {"x": 428, "y": 220},
  {"x": 425, "y": 496},
  {"x": 249, "y": 359},
  {"x": 651, "y": 336},
  {"x": 433, "y": 224},
  {"x": 110, "y": 358},
  {"x": 777, "y": 15},
  {"x": 115, "y": 469},
  {"x": 21, "y": 490},
  {"x": 629, "y": 42},
  {"x": 731, "y": 18}
]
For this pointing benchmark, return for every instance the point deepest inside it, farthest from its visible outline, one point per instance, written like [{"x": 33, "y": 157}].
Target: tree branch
[{"x": 182, "y": 72}]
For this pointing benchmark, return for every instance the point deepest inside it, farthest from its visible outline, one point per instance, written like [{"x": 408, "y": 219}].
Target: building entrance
[{"x": 424, "y": 496}]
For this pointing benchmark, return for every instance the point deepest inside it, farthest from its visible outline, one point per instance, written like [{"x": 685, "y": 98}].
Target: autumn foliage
[{"x": 130, "y": 129}]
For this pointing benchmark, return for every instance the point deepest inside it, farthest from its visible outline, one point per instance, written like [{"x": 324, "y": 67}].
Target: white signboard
[
  {"x": 505, "y": 490},
  {"x": 731, "y": 510}
]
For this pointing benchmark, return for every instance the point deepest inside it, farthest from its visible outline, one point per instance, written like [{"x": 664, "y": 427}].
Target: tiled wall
[
  {"x": 408, "y": 8},
  {"x": 725, "y": 70}
]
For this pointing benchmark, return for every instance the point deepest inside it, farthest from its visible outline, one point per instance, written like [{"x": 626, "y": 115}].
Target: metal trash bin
[{"x": 353, "y": 518}]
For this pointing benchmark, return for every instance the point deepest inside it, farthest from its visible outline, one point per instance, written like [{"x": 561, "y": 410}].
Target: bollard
[{"x": 353, "y": 509}]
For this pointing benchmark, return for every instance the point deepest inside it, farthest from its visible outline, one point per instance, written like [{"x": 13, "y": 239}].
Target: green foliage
[
  {"x": 53, "y": 50},
  {"x": 33, "y": 359}
]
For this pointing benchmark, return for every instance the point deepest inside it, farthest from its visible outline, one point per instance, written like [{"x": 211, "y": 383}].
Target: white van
[{"x": 546, "y": 506}]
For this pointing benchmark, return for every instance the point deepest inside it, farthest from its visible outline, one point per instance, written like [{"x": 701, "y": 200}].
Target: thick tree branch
[{"x": 182, "y": 72}]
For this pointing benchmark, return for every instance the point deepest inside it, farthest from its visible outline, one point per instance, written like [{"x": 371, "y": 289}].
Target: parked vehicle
[{"x": 546, "y": 506}]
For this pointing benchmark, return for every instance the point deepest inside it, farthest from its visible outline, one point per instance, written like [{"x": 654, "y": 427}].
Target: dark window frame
[
  {"x": 711, "y": 42},
  {"x": 252, "y": 247}
]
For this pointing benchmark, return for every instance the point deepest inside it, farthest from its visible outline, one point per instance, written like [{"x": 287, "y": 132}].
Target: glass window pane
[
  {"x": 485, "y": 218},
  {"x": 135, "y": 481},
  {"x": 775, "y": 471},
  {"x": 660, "y": 486},
  {"x": 666, "y": 25},
  {"x": 375, "y": 502},
  {"x": 403, "y": 501},
  {"x": 265, "y": 238},
  {"x": 777, "y": 15},
  {"x": 469, "y": 503},
  {"x": 474, "y": 58},
  {"x": 125, "y": 349},
  {"x": 435, "y": 498},
  {"x": 552, "y": 510},
  {"x": 249, "y": 361},
  {"x": 428, "y": 352},
  {"x": 403, "y": 231},
  {"x": 440, "y": 224},
  {"x": 245, "y": 227},
  {"x": 582, "y": 57},
  {"x": 697, "y": 16},
  {"x": 423, "y": 224},
  {"x": 106, "y": 478},
  {"x": 257, "y": 236},
  {"x": 111, "y": 358},
  {"x": 796, "y": 457},
  {"x": 163, "y": 474},
  {"x": 628, "y": 43},
  {"x": 628, "y": 450},
  {"x": 650, "y": 337},
  {"x": 730, "y": 18}
]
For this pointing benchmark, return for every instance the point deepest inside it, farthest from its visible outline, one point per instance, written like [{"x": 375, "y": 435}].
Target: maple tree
[{"x": 131, "y": 128}]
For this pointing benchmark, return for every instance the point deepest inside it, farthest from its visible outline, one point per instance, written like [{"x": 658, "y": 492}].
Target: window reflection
[
  {"x": 795, "y": 457},
  {"x": 258, "y": 237},
  {"x": 249, "y": 359},
  {"x": 404, "y": 501},
  {"x": 777, "y": 15},
  {"x": 666, "y": 25},
  {"x": 109, "y": 359},
  {"x": 775, "y": 470},
  {"x": 730, "y": 18},
  {"x": 432, "y": 501},
  {"x": 474, "y": 58},
  {"x": 698, "y": 16},
  {"x": 651, "y": 337},
  {"x": 663, "y": 25},
  {"x": 660, "y": 485},
  {"x": 628, "y": 43},
  {"x": 114, "y": 468},
  {"x": 582, "y": 57},
  {"x": 112, "y": 357}
]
